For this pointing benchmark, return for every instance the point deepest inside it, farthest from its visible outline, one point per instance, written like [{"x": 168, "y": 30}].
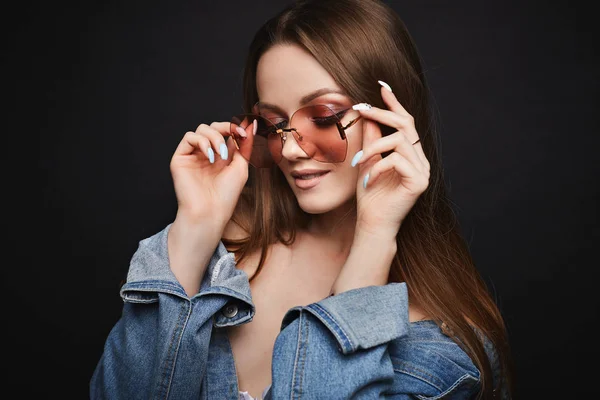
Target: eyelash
[{"x": 319, "y": 120}]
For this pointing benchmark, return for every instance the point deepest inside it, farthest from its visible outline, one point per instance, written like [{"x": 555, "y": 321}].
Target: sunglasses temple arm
[{"x": 342, "y": 129}]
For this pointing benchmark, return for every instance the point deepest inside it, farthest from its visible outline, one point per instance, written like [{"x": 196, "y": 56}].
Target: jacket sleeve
[
  {"x": 337, "y": 348},
  {"x": 160, "y": 342}
]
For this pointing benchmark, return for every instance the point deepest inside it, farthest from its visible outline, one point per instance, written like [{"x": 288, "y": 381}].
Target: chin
[
  {"x": 321, "y": 203},
  {"x": 326, "y": 197},
  {"x": 316, "y": 207}
]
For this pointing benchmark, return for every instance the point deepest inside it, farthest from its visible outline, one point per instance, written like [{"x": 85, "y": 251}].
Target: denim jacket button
[{"x": 230, "y": 311}]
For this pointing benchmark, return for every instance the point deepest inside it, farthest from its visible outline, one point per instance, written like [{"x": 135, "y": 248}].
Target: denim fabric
[{"x": 357, "y": 344}]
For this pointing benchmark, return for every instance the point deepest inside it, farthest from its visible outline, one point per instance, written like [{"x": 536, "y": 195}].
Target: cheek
[{"x": 346, "y": 173}]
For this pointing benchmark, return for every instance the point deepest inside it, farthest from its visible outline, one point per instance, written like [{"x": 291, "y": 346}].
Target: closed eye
[
  {"x": 275, "y": 123},
  {"x": 330, "y": 119}
]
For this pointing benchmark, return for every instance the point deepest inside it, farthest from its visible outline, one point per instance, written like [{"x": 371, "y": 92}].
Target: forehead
[{"x": 287, "y": 73}]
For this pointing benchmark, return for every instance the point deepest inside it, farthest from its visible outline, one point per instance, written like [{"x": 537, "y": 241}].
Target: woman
[{"x": 314, "y": 253}]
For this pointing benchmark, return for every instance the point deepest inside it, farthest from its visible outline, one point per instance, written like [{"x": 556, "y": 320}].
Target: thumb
[
  {"x": 234, "y": 152},
  {"x": 238, "y": 162}
]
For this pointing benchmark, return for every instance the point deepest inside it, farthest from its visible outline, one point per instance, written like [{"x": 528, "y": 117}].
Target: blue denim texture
[{"x": 355, "y": 345}]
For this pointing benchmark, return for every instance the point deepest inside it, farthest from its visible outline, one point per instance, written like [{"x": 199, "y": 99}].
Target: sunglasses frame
[
  {"x": 340, "y": 127},
  {"x": 283, "y": 131}
]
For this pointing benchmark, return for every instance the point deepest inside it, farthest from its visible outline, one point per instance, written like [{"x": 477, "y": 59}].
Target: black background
[{"x": 98, "y": 94}]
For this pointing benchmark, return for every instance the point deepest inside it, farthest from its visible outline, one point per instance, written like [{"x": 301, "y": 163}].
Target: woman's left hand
[{"x": 388, "y": 187}]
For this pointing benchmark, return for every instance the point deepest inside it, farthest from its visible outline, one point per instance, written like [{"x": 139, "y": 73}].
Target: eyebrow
[{"x": 308, "y": 98}]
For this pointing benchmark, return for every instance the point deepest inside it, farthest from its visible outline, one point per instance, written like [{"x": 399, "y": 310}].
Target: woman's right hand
[{"x": 209, "y": 174}]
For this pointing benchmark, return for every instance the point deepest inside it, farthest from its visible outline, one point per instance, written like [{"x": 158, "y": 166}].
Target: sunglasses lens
[
  {"x": 317, "y": 130},
  {"x": 318, "y": 133},
  {"x": 260, "y": 149}
]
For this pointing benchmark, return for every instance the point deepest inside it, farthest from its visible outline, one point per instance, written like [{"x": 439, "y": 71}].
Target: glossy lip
[
  {"x": 299, "y": 172},
  {"x": 310, "y": 183}
]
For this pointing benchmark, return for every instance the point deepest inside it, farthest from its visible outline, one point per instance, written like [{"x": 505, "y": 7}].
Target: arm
[
  {"x": 191, "y": 246},
  {"x": 178, "y": 279},
  {"x": 368, "y": 263},
  {"x": 160, "y": 344}
]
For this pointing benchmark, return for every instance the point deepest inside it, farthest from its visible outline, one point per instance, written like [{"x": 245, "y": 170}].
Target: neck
[{"x": 336, "y": 227}]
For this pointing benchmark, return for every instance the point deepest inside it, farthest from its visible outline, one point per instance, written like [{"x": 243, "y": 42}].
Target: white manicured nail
[
  {"x": 385, "y": 85},
  {"x": 223, "y": 151},
  {"x": 362, "y": 107},
  {"x": 255, "y": 123},
  {"x": 356, "y": 158},
  {"x": 241, "y": 131}
]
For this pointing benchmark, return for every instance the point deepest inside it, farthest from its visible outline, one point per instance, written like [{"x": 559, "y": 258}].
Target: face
[{"x": 289, "y": 78}]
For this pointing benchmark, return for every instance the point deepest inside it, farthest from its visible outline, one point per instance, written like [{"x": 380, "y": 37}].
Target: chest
[{"x": 285, "y": 281}]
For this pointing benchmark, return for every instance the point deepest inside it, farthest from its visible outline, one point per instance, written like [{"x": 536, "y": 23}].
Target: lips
[
  {"x": 308, "y": 178},
  {"x": 308, "y": 173}
]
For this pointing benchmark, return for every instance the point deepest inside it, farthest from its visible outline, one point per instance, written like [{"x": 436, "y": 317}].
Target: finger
[
  {"x": 191, "y": 143},
  {"x": 419, "y": 150},
  {"x": 395, "y": 142},
  {"x": 392, "y": 119},
  {"x": 389, "y": 98},
  {"x": 394, "y": 105},
  {"x": 238, "y": 160},
  {"x": 404, "y": 123},
  {"x": 216, "y": 139},
  {"x": 371, "y": 133},
  {"x": 244, "y": 133},
  {"x": 411, "y": 178},
  {"x": 222, "y": 127}
]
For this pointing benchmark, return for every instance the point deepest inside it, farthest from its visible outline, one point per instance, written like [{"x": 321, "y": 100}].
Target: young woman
[{"x": 314, "y": 253}]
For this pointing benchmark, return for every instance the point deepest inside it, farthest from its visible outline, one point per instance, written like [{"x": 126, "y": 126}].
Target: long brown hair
[{"x": 360, "y": 42}]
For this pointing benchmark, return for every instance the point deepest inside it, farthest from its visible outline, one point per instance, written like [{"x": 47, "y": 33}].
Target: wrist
[
  {"x": 189, "y": 239},
  {"x": 367, "y": 233},
  {"x": 368, "y": 263},
  {"x": 197, "y": 220},
  {"x": 190, "y": 247},
  {"x": 380, "y": 247}
]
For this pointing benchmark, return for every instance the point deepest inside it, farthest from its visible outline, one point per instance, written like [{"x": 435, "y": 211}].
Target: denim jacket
[{"x": 358, "y": 344}]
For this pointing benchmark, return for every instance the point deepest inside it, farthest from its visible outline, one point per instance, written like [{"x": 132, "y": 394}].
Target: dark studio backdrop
[{"x": 100, "y": 93}]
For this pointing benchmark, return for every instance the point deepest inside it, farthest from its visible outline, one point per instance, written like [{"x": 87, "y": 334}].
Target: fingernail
[
  {"x": 357, "y": 158},
  {"x": 366, "y": 180},
  {"x": 211, "y": 155},
  {"x": 241, "y": 131},
  {"x": 255, "y": 123},
  {"x": 362, "y": 107},
  {"x": 223, "y": 151},
  {"x": 385, "y": 85}
]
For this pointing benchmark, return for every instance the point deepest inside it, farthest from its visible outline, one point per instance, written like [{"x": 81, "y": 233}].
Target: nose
[{"x": 290, "y": 148}]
